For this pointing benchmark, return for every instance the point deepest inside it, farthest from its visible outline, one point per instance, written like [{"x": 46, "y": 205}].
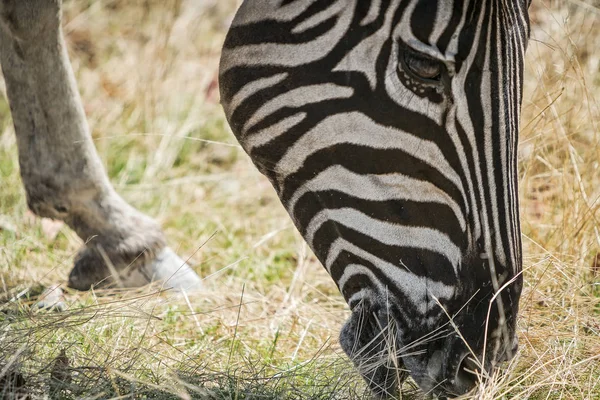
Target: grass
[{"x": 266, "y": 327}]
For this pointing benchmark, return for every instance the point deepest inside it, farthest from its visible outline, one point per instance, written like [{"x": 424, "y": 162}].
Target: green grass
[{"x": 266, "y": 326}]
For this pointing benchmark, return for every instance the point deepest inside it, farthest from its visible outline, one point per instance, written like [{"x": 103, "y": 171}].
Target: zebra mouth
[{"x": 447, "y": 370}]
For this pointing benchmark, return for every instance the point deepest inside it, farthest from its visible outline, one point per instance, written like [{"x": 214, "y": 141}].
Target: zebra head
[{"x": 389, "y": 130}]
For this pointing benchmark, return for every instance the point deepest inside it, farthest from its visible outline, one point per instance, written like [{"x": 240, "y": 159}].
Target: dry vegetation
[{"x": 266, "y": 326}]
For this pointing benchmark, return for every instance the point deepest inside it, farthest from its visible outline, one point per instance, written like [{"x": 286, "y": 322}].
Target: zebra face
[{"x": 389, "y": 129}]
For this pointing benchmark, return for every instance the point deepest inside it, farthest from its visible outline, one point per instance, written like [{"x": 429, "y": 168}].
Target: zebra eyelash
[{"x": 420, "y": 68}]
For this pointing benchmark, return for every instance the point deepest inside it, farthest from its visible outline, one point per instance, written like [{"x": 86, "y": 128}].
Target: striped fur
[{"x": 404, "y": 187}]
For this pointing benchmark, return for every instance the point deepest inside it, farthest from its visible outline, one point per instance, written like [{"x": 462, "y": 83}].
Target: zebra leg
[
  {"x": 61, "y": 171},
  {"x": 368, "y": 338}
]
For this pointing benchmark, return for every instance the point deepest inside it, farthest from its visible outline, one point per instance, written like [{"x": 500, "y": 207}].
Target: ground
[{"x": 266, "y": 326}]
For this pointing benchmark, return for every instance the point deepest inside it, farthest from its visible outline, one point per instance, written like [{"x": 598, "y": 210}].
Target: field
[{"x": 266, "y": 325}]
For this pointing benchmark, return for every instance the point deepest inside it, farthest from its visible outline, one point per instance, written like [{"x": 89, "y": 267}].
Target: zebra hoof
[
  {"x": 168, "y": 268},
  {"x": 91, "y": 270},
  {"x": 51, "y": 300}
]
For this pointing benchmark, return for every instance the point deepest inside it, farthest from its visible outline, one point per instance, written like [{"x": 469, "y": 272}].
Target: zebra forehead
[
  {"x": 435, "y": 27},
  {"x": 258, "y": 10},
  {"x": 431, "y": 26}
]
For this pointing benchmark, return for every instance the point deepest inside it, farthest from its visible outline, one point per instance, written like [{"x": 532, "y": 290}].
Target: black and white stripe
[{"x": 405, "y": 188}]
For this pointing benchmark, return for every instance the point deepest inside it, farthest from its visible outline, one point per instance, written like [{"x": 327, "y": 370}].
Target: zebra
[{"x": 389, "y": 129}]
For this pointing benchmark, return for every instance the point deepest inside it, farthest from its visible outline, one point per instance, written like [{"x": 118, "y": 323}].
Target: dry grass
[{"x": 267, "y": 325}]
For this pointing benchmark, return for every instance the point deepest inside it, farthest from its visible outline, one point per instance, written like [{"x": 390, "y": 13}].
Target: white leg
[{"x": 62, "y": 173}]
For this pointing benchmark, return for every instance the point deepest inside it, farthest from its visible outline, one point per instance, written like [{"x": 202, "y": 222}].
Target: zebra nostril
[{"x": 467, "y": 374}]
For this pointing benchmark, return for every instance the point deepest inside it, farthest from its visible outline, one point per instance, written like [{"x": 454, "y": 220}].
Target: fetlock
[{"x": 44, "y": 200}]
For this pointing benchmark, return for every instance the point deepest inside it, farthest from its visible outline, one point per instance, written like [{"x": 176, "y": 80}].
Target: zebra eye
[{"x": 421, "y": 67}]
